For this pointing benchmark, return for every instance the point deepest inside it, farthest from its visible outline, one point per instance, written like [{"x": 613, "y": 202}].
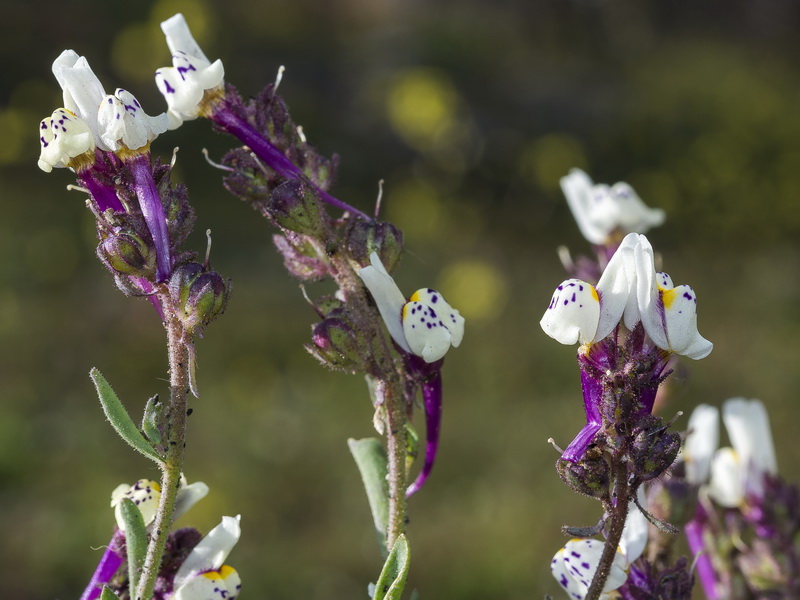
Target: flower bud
[
  {"x": 199, "y": 295},
  {"x": 365, "y": 237},
  {"x": 296, "y": 207},
  {"x": 589, "y": 476},
  {"x": 338, "y": 344},
  {"x": 128, "y": 254},
  {"x": 300, "y": 257},
  {"x": 654, "y": 449}
]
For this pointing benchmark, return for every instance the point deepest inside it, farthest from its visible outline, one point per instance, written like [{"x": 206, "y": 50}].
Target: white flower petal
[
  {"x": 211, "y": 552},
  {"x": 748, "y": 428},
  {"x": 62, "y": 137},
  {"x": 388, "y": 298},
  {"x": 425, "y": 331},
  {"x": 203, "y": 586},
  {"x": 188, "y": 496},
  {"x": 123, "y": 123},
  {"x": 573, "y": 313},
  {"x": 701, "y": 443},
  {"x": 145, "y": 494},
  {"x": 615, "y": 285},
  {"x": 232, "y": 581},
  {"x": 449, "y": 316},
  {"x": 726, "y": 485},
  {"x": 83, "y": 91},
  {"x": 577, "y": 188},
  {"x": 634, "y": 215},
  {"x": 634, "y": 534},
  {"x": 680, "y": 313},
  {"x": 574, "y": 567},
  {"x": 191, "y": 75}
]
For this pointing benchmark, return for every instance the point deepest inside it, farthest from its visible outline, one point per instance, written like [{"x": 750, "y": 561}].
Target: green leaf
[
  {"x": 395, "y": 572},
  {"x": 135, "y": 539},
  {"x": 119, "y": 418},
  {"x": 107, "y": 594},
  {"x": 372, "y": 463}
]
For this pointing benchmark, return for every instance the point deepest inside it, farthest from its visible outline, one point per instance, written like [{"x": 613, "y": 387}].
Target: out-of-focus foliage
[{"x": 470, "y": 111}]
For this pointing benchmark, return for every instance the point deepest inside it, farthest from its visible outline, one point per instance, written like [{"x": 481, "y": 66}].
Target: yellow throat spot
[
  {"x": 414, "y": 297},
  {"x": 594, "y": 293},
  {"x": 212, "y": 575},
  {"x": 667, "y": 296}
]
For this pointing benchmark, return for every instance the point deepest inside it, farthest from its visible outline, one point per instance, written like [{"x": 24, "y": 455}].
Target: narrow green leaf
[
  {"x": 135, "y": 539},
  {"x": 119, "y": 418},
  {"x": 107, "y": 594},
  {"x": 393, "y": 577},
  {"x": 371, "y": 460}
]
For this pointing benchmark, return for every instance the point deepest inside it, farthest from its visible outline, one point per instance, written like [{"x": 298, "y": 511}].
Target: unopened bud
[
  {"x": 296, "y": 207},
  {"x": 366, "y": 237},
  {"x": 589, "y": 476},
  {"x": 338, "y": 344},
  {"x": 128, "y": 254},
  {"x": 199, "y": 295},
  {"x": 300, "y": 257},
  {"x": 654, "y": 449}
]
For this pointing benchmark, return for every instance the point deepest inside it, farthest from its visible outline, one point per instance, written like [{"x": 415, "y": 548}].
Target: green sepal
[
  {"x": 152, "y": 415},
  {"x": 372, "y": 463},
  {"x": 392, "y": 580},
  {"x": 119, "y": 418},
  {"x": 107, "y": 594},
  {"x": 135, "y": 539}
]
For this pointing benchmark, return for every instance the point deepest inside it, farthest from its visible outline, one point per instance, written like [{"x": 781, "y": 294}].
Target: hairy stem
[
  {"x": 617, "y": 513},
  {"x": 176, "y": 436},
  {"x": 393, "y": 399}
]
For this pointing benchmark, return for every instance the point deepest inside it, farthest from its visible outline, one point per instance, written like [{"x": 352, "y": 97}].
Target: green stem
[
  {"x": 618, "y": 513},
  {"x": 173, "y": 467},
  {"x": 396, "y": 447}
]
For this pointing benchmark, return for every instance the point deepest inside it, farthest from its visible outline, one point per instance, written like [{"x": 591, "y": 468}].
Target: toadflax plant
[
  {"x": 368, "y": 326},
  {"x": 629, "y": 326}
]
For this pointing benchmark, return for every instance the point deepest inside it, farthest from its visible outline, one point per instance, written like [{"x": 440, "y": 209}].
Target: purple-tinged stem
[
  {"x": 153, "y": 212},
  {"x": 592, "y": 395},
  {"x": 107, "y": 567},
  {"x": 703, "y": 566},
  {"x": 104, "y": 195},
  {"x": 272, "y": 157},
  {"x": 432, "y": 401}
]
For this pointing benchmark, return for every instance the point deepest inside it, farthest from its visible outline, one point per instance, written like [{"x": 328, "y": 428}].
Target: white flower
[
  {"x": 123, "y": 123},
  {"x": 631, "y": 290},
  {"x": 203, "y": 575},
  {"x": 739, "y": 471},
  {"x": 184, "y": 84},
  {"x": 575, "y": 565},
  {"x": 425, "y": 325},
  {"x": 601, "y": 210},
  {"x": 701, "y": 443},
  {"x": 146, "y": 494},
  {"x": 115, "y": 121},
  {"x": 62, "y": 137}
]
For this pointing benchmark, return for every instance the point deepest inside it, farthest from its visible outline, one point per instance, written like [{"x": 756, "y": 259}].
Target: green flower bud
[
  {"x": 296, "y": 207},
  {"x": 300, "y": 257},
  {"x": 654, "y": 449},
  {"x": 128, "y": 254},
  {"x": 365, "y": 237},
  {"x": 338, "y": 344},
  {"x": 589, "y": 476},
  {"x": 199, "y": 295}
]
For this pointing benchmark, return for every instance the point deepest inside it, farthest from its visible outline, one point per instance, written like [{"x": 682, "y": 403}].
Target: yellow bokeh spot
[
  {"x": 416, "y": 208},
  {"x": 138, "y": 50},
  {"x": 421, "y": 105},
  {"x": 475, "y": 288},
  {"x": 549, "y": 158}
]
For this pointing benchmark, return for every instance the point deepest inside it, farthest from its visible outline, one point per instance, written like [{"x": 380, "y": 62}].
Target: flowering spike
[{"x": 191, "y": 75}]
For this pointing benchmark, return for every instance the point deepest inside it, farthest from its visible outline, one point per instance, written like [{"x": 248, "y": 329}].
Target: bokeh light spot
[
  {"x": 476, "y": 288},
  {"x": 547, "y": 159},
  {"x": 416, "y": 208}
]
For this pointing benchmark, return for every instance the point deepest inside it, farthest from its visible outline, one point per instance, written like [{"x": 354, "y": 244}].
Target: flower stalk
[{"x": 179, "y": 375}]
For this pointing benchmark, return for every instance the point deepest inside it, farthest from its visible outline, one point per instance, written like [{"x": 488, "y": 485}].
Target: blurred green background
[{"x": 470, "y": 111}]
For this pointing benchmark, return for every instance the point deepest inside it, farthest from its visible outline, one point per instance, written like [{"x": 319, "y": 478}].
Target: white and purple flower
[
  {"x": 185, "y": 83},
  {"x": 602, "y": 211},
  {"x": 629, "y": 291},
  {"x": 204, "y": 574}
]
